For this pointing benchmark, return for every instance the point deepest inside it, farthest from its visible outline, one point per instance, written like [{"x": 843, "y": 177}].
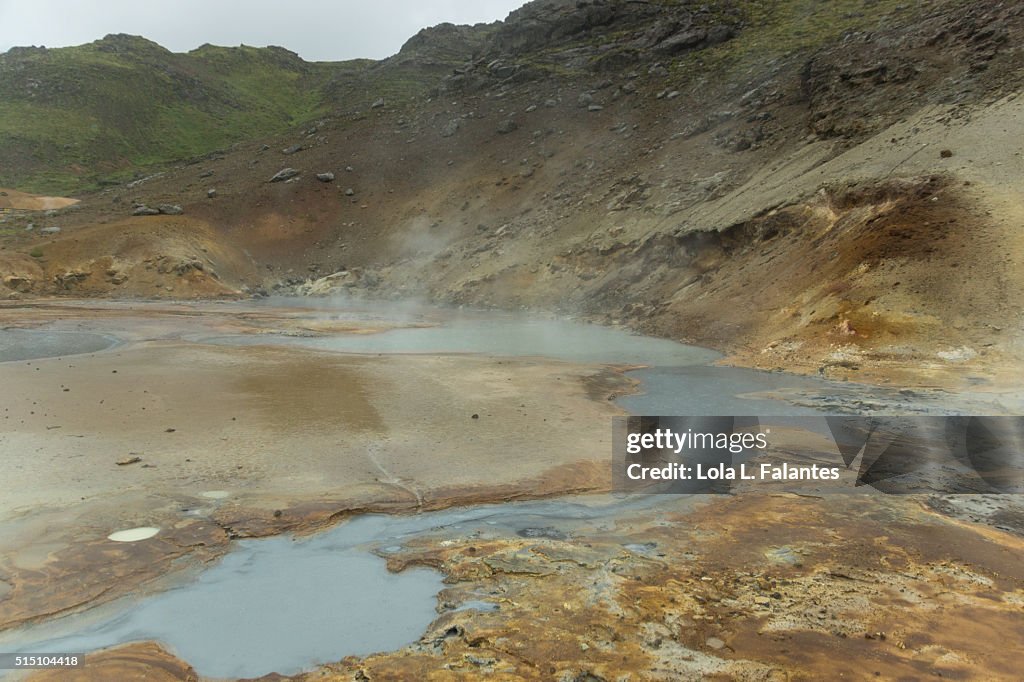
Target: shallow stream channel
[{"x": 285, "y": 604}]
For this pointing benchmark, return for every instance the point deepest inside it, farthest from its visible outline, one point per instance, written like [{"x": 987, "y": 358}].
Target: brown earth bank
[
  {"x": 144, "y": 661},
  {"x": 755, "y": 587},
  {"x": 13, "y": 200},
  {"x": 850, "y": 207}
]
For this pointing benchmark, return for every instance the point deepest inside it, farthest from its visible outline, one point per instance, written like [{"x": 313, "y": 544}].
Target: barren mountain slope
[{"x": 830, "y": 187}]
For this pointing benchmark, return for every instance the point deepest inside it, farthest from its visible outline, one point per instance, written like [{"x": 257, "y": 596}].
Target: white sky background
[{"x": 318, "y": 30}]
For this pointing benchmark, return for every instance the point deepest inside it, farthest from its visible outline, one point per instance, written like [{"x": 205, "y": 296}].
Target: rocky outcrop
[
  {"x": 162, "y": 209},
  {"x": 71, "y": 278},
  {"x": 849, "y": 86},
  {"x": 599, "y": 36},
  {"x": 285, "y": 174}
]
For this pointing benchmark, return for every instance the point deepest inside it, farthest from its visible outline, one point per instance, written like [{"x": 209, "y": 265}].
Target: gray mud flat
[
  {"x": 498, "y": 334},
  {"x": 30, "y": 344},
  {"x": 679, "y": 379}
]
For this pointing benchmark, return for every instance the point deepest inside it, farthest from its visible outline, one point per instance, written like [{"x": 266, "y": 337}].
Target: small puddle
[
  {"x": 31, "y": 344},
  {"x": 134, "y": 534}
]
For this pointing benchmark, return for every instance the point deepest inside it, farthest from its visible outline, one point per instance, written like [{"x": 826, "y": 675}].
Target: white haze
[{"x": 318, "y": 30}]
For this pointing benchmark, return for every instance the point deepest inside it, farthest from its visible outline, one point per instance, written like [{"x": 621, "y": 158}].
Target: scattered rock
[
  {"x": 682, "y": 41},
  {"x": 66, "y": 280},
  {"x": 961, "y": 354},
  {"x": 378, "y": 103},
  {"x": 507, "y": 126},
  {"x": 325, "y": 177},
  {"x": 205, "y": 174},
  {"x": 715, "y": 643},
  {"x": 50, "y": 230},
  {"x": 211, "y": 193},
  {"x": 18, "y": 283},
  {"x": 450, "y": 128},
  {"x": 135, "y": 459},
  {"x": 285, "y": 174},
  {"x": 116, "y": 277},
  {"x": 170, "y": 209},
  {"x": 188, "y": 265},
  {"x": 350, "y": 192},
  {"x": 292, "y": 149},
  {"x": 946, "y": 153},
  {"x": 145, "y": 210},
  {"x": 549, "y": 532},
  {"x": 595, "y": 107}
]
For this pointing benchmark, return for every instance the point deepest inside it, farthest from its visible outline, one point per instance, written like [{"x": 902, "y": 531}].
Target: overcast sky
[{"x": 319, "y": 30}]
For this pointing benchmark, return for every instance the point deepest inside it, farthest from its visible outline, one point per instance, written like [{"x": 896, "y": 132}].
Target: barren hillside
[{"x": 821, "y": 187}]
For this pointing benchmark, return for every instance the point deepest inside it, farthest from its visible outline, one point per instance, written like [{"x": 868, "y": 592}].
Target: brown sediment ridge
[
  {"x": 758, "y": 587},
  {"x": 88, "y": 573},
  {"x": 23, "y": 201},
  {"x": 144, "y": 660}
]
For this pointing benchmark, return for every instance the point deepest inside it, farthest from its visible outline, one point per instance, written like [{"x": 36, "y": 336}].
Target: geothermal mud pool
[
  {"x": 286, "y": 604},
  {"x": 347, "y": 400}
]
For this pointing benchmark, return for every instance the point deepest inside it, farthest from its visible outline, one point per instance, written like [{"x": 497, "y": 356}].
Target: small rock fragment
[
  {"x": 284, "y": 174},
  {"x": 715, "y": 643}
]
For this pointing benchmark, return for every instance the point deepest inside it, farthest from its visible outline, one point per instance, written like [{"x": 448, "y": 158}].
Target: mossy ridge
[{"x": 124, "y": 101}]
